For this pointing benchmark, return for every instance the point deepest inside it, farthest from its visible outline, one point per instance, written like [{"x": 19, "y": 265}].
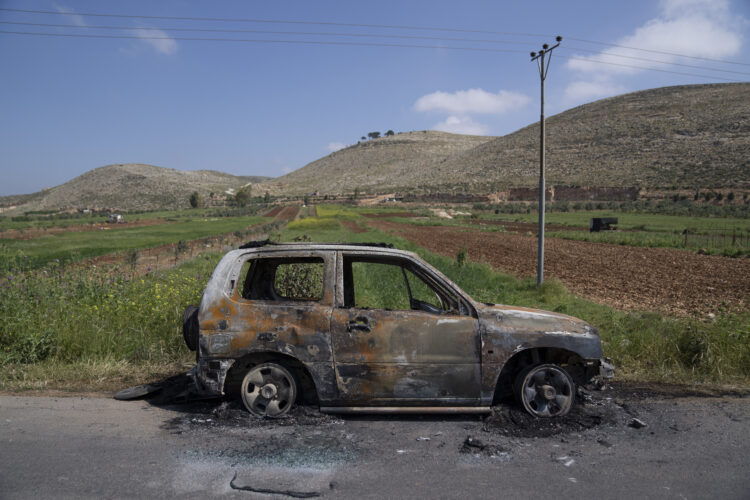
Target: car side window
[
  {"x": 378, "y": 286},
  {"x": 299, "y": 280},
  {"x": 422, "y": 292},
  {"x": 280, "y": 279},
  {"x": 372, "y": 283}
]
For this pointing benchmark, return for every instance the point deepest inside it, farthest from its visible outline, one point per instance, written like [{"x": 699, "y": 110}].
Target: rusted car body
[{"x": 436, "y": 350}]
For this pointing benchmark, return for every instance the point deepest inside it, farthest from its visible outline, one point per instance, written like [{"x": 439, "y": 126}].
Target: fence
[{"x": 716, "y": 239}]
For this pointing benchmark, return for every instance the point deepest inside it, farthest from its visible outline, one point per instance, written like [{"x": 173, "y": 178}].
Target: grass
[
  {"x": 83, "y": 328},
  {"x": 76, "y": 245},
  {"x": 87, "y": 329},
  {"x": 68, "y": 220}
]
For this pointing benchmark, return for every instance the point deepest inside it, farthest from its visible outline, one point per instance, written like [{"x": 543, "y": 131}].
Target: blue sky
[{"x": 70, "y": 104}]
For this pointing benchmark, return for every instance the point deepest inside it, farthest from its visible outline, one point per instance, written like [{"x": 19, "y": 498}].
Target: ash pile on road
[
  {"x": 591, "y": 410},
  {"x": 231, "y": 413}
]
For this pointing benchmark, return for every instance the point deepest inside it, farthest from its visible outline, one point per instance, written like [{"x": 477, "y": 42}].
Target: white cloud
[
  {"x": 335, "y": 146},
  {"x": 461, "y": 125},
  {"x": 697, "y": 28},
  {"x": 72, "y": 16},
  {"x": 472, "y": 101},
  {"x": 159, "y": 40}
]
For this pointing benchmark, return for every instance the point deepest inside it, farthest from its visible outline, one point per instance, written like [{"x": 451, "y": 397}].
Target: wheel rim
[
  {"x": 547, "y": 392},
  {"x": 268, "y": 390}
]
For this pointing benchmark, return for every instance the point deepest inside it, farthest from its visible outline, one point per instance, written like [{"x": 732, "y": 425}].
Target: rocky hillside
[
  {"x": 688, "y": 136},
  {"x": 404, "y": 159},
  {"x": 128, "y": 187}
]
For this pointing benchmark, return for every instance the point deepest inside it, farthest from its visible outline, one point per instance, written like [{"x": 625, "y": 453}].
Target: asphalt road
[{"x": 692, "y": 447}]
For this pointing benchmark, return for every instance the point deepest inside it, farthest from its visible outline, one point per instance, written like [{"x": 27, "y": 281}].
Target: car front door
[{"x": 399, "y": 338}]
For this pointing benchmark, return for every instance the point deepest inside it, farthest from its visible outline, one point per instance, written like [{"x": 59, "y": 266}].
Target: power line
[
  {"x": 357, "y": 35},
  {"x": 355, "y": 44},
  {"x": 360, "y": 25},
  {"x": 246, "y": 40},
  {"x": 658, "y": 51},
  {"x": 645, "y": 68},
  {"x": 657, "y": 61},
  {"x": 270, "y": 32},
  {"x": 269, "y": 21}
]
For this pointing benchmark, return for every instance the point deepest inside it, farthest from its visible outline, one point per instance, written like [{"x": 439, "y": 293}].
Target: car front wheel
[
  {"x": 269, "y": 390},
  {"x": 545, "y": 390}
]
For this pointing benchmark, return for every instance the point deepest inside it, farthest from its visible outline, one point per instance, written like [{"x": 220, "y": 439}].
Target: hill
[
  {"x": 128, "y": 187},
  {"x": 405, "y": 159},
  {"x": 689, "y": 136}
]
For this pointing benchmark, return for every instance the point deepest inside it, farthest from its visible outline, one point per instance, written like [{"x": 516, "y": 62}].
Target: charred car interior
[{"x": 368, "y": 328}]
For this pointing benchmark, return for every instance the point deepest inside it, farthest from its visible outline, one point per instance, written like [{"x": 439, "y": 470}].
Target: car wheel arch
[
  {"x": 533, "y": 356},
  {"x": 307, "y": 393}
]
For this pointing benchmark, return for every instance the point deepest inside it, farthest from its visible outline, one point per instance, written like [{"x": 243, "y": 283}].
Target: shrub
[{"x": 461, "y": 257}]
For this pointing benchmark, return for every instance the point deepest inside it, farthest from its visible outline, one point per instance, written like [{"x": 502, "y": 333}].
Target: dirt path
[{"x": 671, "y": 281}]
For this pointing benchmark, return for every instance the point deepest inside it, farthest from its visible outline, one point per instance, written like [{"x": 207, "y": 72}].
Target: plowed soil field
[
  {"x": 283, "y": 213},
  {"x": 353, "y": 226},
  {"x": 635, "y": 278},
  {"x": 273, "y": 212},
  {"x": 288, "y": 213}
]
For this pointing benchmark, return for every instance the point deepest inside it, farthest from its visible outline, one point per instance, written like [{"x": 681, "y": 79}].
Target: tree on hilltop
[
  {"x": 390, "y": 133},
  {"x": 373, "y": 135}
]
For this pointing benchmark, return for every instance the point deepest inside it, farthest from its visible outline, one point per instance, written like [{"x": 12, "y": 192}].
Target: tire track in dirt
[{"x": 633, "y": 278}]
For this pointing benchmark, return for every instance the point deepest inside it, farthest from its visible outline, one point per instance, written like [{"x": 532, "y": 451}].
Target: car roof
[{"x": 264, "y": 247}]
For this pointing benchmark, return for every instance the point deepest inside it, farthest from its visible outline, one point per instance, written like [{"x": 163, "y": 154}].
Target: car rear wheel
[
  {"x": 269, "y": 390},
  {"x": 545, "y": 390}
]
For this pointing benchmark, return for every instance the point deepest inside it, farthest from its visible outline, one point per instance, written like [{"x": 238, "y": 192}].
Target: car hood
[
  {"x": 507, "y": 330},
  {"x": 512, "y": 319}
]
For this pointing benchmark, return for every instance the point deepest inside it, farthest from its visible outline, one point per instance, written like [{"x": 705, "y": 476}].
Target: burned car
[{"x": 368, "y": 328}]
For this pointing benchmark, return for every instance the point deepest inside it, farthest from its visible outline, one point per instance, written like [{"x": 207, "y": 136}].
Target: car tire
[
  {"x": 545, "y": 390},
  {"x": 269, "y": 390},
  {"x": 190, "y": 327}
]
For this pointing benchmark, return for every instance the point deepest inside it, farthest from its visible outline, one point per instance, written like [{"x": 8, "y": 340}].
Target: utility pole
[{"x": 542, "y": 62}]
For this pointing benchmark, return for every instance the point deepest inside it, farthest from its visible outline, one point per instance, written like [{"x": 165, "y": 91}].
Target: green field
[
  {"x": 81, "y": 328},
  {"x": 76, "y": 245},
  {"x": 641, "y": 222},
  {"x": 68, "y": 220}
]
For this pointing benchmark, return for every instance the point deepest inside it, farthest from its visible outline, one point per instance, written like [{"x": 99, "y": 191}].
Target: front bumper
[
  {"x": 606, "y": 369},
  {"x": 209, "y": 376}
]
